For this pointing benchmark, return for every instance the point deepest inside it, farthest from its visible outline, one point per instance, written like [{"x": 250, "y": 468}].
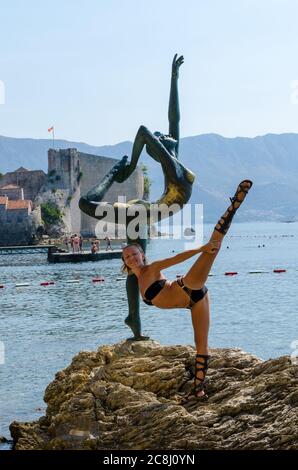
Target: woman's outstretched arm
[
  {"x": 159, "y": 265},
  {"x": 174, "y": 111}
]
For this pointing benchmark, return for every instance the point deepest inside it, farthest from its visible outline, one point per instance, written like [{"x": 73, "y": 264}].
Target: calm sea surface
[{"x": 42, "y": 328}]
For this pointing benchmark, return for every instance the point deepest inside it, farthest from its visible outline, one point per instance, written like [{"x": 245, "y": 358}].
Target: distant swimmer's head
[{"x": 133, "y": 256}]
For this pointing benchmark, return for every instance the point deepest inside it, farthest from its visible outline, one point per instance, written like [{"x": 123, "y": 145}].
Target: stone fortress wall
[
  {"x": 74, "y": 173},
  {"x": 13, "y": 192},
  {"x": 18, "y": 222},
  {"x": 19, "y": 217},
  {"x": 71, "y": 174},
  {"x": 30, "y": 180},
  {"x": 18, "y": 226}
]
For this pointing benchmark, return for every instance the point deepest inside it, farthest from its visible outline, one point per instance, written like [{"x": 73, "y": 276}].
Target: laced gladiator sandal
[
  {"x": 226, "y": 219},
  {"x": 198, "y": 387}
]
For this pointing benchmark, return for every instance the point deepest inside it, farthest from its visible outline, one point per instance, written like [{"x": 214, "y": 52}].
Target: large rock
[{"x": 126, "y": 396}]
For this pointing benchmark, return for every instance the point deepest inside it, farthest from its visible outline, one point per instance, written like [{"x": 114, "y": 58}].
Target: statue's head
[
  {"x": 133, "y": 256},
  {"x": 157, "y": 134},
  {"x": 166, "y": 139}
]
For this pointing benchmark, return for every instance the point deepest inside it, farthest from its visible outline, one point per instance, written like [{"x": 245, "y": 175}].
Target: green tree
[{"x": 50, "y": 214}]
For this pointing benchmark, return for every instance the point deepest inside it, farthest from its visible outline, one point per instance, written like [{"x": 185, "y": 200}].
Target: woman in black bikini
[{"x": 188, "y": 291}]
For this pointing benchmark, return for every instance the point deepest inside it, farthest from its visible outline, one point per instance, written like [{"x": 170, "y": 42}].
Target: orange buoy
[
  {"x": 231, "y": 273},
  {"x": 98, "y": 279},
  {"x": 47, "y": 283},
  {"x": 279, "y": 270}
]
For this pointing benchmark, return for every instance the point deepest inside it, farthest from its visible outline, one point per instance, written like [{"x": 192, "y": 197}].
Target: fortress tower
[{"x": 74, "y": 173}]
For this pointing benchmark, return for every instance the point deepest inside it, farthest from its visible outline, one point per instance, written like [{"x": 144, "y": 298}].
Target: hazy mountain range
[{"x": 219, "y": 163}]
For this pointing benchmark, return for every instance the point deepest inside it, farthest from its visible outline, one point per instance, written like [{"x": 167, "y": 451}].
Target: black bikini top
[{"x": 153, "y": 290}]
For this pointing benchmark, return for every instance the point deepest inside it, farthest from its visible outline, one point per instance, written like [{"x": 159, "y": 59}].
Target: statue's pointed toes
[
  {"x": 123, "y": 162},
  {"x": 120, "y": 164}
]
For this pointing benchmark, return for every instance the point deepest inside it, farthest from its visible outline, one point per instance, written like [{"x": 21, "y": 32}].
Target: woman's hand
[{"x": 211, "y": 247}]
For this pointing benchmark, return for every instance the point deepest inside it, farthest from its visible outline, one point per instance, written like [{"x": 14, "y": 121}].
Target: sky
[{"x": 98, "y": 69}]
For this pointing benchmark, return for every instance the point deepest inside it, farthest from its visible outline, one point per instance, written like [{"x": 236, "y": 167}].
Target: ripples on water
[{"x": 43, "y": 327}]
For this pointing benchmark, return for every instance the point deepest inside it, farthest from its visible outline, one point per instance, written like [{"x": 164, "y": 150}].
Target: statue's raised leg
[{"x": 89, "y": 203}]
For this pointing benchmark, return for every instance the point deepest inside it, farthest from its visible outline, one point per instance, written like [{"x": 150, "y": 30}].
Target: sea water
[{"x": 42, "y": 328}]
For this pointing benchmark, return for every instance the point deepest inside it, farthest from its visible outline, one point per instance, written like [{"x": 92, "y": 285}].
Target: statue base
[{"x": 138, "y": 338}]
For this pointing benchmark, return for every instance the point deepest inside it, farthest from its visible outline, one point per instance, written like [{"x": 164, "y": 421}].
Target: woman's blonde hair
[{"x": 124, "y": 267}]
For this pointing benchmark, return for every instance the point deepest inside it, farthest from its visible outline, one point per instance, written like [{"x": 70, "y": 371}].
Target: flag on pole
[{"x": 51, "y": 129}]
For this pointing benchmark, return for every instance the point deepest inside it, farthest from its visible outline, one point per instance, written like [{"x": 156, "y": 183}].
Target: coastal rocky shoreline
[{"x": 127, "y": 396}]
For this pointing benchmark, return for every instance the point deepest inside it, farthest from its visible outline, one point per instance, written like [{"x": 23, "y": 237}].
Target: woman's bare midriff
[{"x": 171, "y": 295}]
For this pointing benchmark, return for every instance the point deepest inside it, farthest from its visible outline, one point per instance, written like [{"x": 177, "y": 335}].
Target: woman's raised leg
[{"x": 196, "y": 277}]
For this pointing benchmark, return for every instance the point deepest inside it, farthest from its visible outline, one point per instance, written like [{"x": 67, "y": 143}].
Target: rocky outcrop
[
  {"x": 57, "y": 199},
  {"x": 126, "y": 396}
]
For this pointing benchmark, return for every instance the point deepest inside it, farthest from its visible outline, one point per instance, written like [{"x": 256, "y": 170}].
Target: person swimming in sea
[{"x": 187, "y": 291}]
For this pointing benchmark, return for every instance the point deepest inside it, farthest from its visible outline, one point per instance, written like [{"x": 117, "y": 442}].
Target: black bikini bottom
[{"x": 194, "y": 294}]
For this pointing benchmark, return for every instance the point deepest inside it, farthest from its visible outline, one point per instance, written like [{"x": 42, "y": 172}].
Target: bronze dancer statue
[{"x": 178, "y": 181}]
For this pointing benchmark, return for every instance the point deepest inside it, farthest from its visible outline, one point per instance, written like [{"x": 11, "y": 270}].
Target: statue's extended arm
[{"x": 174, "y": 111}]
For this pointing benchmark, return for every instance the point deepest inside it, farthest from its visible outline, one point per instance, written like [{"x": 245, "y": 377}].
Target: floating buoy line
[{"x": 101, "y": 279}]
